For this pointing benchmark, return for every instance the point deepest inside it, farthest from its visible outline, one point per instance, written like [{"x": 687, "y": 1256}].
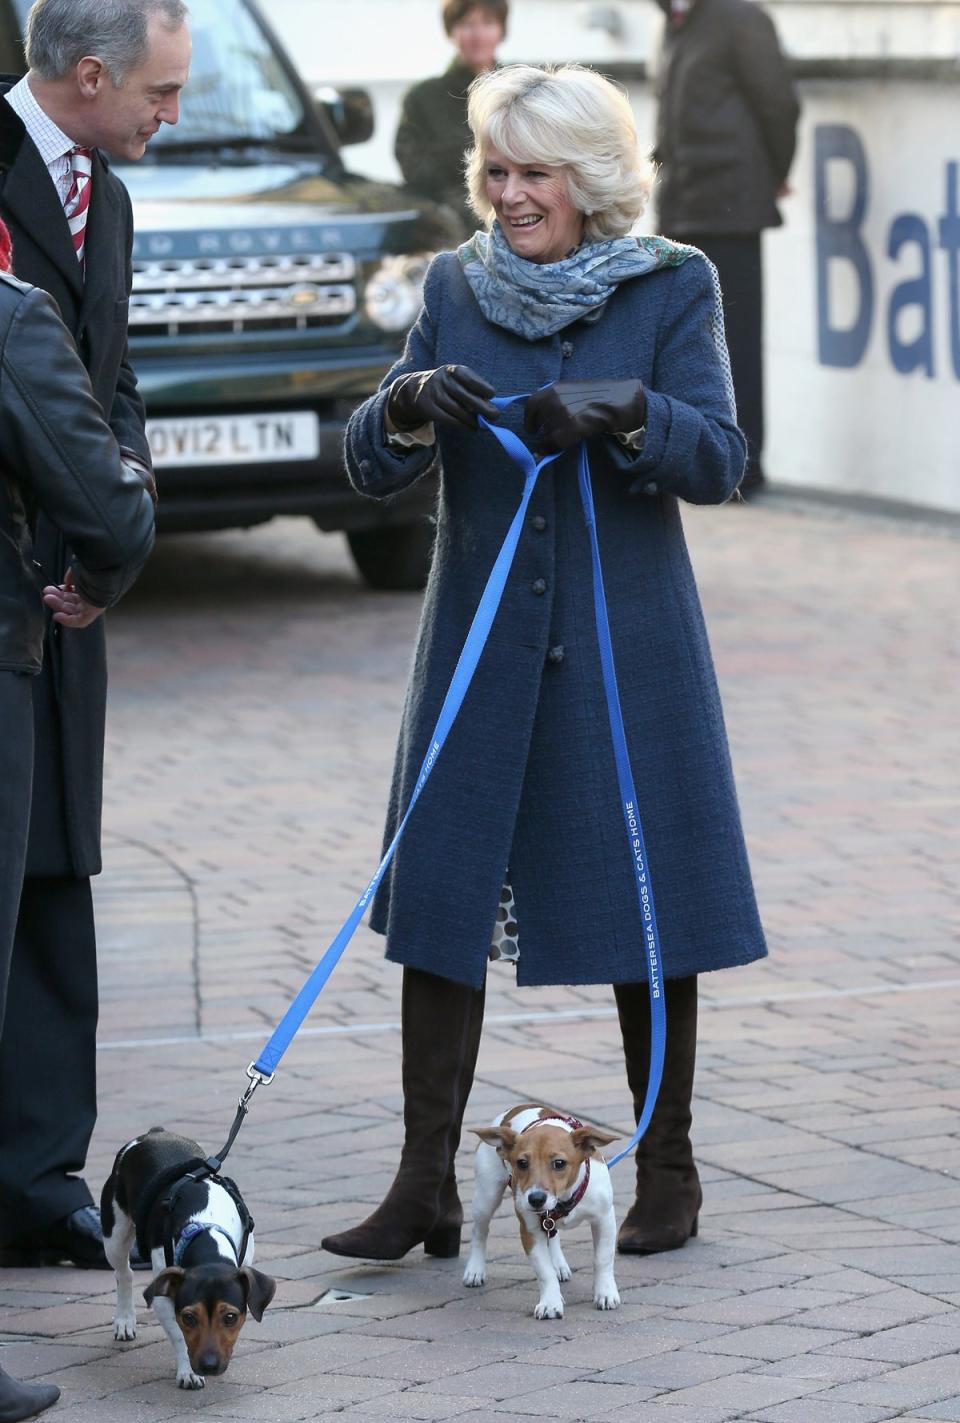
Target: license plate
[{"x": 234, "y": 439}]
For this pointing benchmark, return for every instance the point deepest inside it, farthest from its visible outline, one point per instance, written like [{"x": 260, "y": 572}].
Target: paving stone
[
  {"x": 913, "y": 1386},
  {"x": 745, "y": 1393},
  {"x": 812, "y": 1410},
  {"x": 908, "y": 1344},
  {"x": 584, "y": 1400},
  {"x": 773, "y": 1341},
  {"x": 677, "y": 1370}
]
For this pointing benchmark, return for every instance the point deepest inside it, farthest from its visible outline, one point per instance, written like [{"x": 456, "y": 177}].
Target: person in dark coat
[
  {"x": 433, "y": 135},
  {"x": 727, "y": 116},
  {"x": 58, "y": 458},
  {"x": 522, "y": 808},
  {"x": 72, "y": 229}
]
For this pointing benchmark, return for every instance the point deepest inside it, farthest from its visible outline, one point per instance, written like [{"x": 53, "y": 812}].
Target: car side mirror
[{"x": 349, "y": 110}]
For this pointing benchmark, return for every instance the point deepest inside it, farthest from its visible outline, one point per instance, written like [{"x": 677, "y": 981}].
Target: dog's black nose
[
  {"x": 536, "y": 1199},
  {"x": 210, "y": 1364}
]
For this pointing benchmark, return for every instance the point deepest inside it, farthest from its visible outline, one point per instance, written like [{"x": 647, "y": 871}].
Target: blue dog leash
[{"x": 262, "y": 1070}]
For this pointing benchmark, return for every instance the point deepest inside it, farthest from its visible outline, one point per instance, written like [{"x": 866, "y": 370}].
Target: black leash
[{"x": 210, "y": 1170}]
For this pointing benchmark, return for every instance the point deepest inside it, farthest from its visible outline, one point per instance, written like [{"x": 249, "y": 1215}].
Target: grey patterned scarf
[{"x": 536, "y": 299}]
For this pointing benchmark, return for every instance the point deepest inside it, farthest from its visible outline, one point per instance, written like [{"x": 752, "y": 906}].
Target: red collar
[{"x": 548, "y": 1221}]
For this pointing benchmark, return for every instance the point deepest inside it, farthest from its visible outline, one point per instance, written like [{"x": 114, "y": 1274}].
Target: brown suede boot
[
  {"x": 665, "y": 1213},
  {"x": 441, "y": 1036}
]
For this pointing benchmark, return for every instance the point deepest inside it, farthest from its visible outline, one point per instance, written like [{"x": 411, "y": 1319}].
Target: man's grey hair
[{"x": 62, "y": 32}]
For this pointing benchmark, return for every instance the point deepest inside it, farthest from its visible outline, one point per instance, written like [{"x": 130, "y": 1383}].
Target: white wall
[{"x": 870, "y": 426}]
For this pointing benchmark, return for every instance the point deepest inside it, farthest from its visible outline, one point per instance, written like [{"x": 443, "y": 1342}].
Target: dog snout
[
  {"x": 536, "y": 1199},
  {"x": 210, "y": 1364}
]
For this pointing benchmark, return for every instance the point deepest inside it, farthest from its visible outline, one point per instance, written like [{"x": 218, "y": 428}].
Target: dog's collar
[
  {"x": 548, "y": 1219},
  {"x": 571, "y": 1123},
  {"x": 190, "y": 1232}
]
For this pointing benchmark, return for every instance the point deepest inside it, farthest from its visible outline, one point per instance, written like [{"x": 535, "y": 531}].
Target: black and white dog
[{"x": 199, "y": 1237}]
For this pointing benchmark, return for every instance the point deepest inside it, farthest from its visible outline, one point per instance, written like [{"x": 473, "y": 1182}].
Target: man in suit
[{"x": 104, "y": 75}]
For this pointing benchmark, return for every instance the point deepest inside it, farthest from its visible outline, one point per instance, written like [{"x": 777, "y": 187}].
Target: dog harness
[
  {"x": 548, "y": 1219},
  {"x": 159, "y": 1199}
]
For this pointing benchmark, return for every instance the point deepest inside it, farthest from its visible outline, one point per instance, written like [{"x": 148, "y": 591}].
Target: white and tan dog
[{"x": 551, "y": 1162}]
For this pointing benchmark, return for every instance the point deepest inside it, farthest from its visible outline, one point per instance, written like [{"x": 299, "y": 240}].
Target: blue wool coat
[{"x": 527, "y": 778}]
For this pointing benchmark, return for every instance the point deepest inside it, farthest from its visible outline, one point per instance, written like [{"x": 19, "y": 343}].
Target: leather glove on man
[
  {"x": 573, "y": 410},
  {"x": 450, "y": 395}
]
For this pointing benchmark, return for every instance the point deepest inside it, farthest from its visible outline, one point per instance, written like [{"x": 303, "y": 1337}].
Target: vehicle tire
[{"x": 396, "y": 557}]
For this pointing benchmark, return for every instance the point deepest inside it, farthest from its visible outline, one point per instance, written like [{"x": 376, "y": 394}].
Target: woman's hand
[
  {"x": 450, "y": 395},
  {"x": 573, "y": 410}
]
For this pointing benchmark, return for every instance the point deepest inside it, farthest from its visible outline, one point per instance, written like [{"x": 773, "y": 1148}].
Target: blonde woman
[{"x": 518, "y": 837}]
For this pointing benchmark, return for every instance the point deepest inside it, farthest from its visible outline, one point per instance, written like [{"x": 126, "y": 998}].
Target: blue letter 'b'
[{"x": 838, "y": 239}]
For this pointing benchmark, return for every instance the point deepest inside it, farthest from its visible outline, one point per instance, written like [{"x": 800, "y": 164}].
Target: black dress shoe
[
  {"x": 77, "y": 1239},
  {"x": 24, "y": 1400}
]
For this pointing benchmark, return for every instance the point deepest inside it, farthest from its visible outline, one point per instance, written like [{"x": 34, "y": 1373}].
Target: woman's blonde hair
[{"x": 565, "y": 117}]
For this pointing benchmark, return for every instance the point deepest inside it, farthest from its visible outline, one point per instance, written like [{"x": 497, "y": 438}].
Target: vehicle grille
[{"x": 204, "y": 295}]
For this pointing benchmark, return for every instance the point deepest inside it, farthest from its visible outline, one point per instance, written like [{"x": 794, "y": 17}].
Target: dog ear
[
  {"x": 590, "y": 1139},
  {"x": 260, "y": 1291},
  {"x": 166, "y": 1284},
  {"x": 503, "y": 1138}
]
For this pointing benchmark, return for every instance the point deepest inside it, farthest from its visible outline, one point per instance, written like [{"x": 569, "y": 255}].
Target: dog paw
[
  {"x": 564, "y": 1272},
  {"x": 124, "y": 1328},
  {"x": 547, "y": 1310},
  {"x": 474, "y": 1275},
  {"x": 607, "y": 1297},
  {"x": 186, "y": 1378}
]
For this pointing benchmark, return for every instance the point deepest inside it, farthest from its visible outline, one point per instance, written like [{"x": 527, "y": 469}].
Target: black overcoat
[
  {"x": 526, "y": 781},
  {"x": 70, "y": 695},
  {"x": 727, "y": 117}
]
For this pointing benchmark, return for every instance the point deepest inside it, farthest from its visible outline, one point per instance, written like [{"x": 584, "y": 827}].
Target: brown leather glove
[{"x": 573, "y": 410}]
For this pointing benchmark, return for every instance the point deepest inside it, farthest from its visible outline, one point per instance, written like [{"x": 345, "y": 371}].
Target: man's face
[{"x": 124, "y": 120}]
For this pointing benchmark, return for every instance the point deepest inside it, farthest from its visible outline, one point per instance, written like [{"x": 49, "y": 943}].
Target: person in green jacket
[{"x": 432, "y": 135}]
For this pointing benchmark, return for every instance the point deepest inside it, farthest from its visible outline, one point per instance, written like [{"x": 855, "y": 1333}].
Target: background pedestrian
[
  {"x": 727, "y": 118},
  {"x": 104, "y": 75},
  {"x": 433, "y": 134},
  {"x": 627, "y": 330}
]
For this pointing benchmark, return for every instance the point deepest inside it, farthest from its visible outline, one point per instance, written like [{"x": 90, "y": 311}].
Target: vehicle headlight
[{"x": 394, "y": 291}]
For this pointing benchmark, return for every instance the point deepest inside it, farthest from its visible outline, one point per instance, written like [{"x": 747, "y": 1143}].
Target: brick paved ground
[{"x": 255, "y": 697}]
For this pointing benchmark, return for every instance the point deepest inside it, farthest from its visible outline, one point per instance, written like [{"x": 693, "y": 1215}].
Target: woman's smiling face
[{"x": 533, "y": 207}]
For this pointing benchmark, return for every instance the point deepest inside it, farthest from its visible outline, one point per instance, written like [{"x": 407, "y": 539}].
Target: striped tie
[{"x": 77, "y": 203}]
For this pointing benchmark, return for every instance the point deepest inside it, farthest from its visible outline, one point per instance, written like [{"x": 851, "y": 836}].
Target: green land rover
[{"x": 272, "y": 289}]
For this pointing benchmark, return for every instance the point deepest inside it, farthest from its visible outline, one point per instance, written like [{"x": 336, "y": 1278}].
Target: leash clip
[
  {"x": 549, "y": 1225},
  {"x": 257, "y": 1079}
]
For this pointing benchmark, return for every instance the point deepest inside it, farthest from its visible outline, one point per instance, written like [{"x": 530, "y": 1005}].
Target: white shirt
[{"x": 51, "y": 142}]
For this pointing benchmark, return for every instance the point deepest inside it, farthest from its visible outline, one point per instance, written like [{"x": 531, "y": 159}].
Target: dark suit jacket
[{"x": 70, "y": 696}]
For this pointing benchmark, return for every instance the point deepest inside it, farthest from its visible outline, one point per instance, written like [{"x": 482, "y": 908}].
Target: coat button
[
  {"x": 566, "y": 349},
  {"x": 652, "y": 487},
  {"x": 539, "y": 523},
  {"x": 538, "y": 586},
  {"x": 556, "y": 653}
]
